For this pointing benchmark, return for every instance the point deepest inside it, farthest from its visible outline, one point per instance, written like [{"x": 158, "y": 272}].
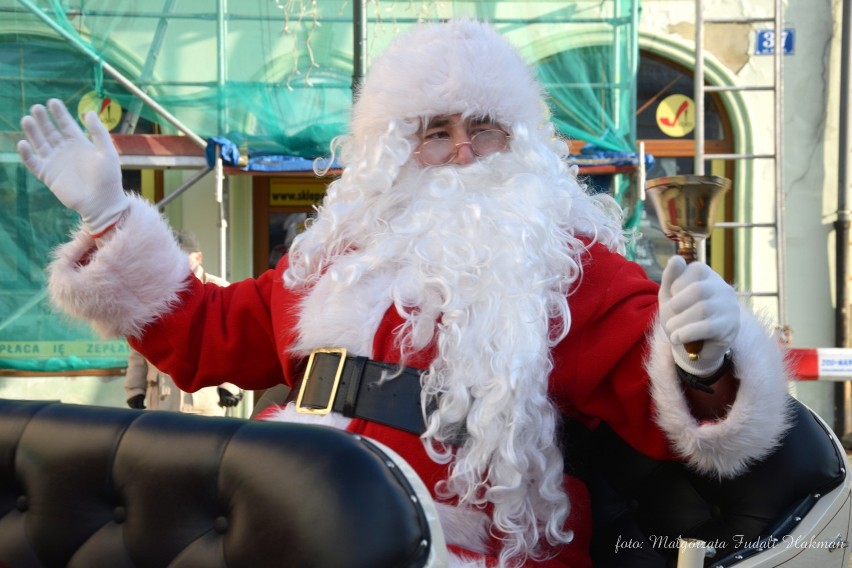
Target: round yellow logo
[
  {"x": 108, "y": 110},
  {"x": 676, "y": 115}
]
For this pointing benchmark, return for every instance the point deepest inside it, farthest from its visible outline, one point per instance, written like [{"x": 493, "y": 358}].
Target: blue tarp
[
  {"x": 260, "y": 162},
  {"x": 591, "y": 155}
]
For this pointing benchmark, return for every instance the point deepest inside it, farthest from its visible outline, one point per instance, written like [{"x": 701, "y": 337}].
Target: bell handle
[
  {"x": 693, "y": 348},
  {"x": 686, "y": 249}
]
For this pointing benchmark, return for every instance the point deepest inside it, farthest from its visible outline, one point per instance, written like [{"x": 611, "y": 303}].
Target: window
[{"x": 674, "y": 151}]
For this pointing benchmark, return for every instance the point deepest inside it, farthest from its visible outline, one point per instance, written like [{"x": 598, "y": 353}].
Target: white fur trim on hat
[
  {"x": 462, "y": 66},
  {"x": 131, "y": 280},
  {"x": 755, "y": 422}
]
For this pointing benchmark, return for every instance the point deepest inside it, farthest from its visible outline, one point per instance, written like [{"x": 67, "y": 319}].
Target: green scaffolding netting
[{"x": 273, "y": 76}]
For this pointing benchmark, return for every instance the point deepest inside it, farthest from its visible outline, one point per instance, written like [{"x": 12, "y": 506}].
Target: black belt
[{"x": 351, "y": 386}]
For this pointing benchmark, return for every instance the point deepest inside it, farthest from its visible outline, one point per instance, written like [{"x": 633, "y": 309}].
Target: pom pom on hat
[{"x": 461, "y": 66}]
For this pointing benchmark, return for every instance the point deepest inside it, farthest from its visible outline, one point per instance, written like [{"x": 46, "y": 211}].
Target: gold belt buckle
[{"x": 336, "y": 383}]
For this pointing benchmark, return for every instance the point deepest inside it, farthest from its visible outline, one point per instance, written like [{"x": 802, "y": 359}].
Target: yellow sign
[
  {"x": 287, "y": 193},
  {"x": 676, "y": 115},
  {"x": 108, "y": 110}
]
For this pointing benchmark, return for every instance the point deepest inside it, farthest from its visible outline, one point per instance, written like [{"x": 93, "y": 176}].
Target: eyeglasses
[{"x": 440, "y": 151}]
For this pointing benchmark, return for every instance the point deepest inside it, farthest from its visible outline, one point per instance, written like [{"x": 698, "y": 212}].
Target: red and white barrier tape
[{"x": 821, "y": 364}]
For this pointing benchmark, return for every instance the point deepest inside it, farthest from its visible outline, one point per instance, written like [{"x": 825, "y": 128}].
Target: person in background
[
  {"x": 147, "y": 387},
  {"x": 472, "y": 290}
]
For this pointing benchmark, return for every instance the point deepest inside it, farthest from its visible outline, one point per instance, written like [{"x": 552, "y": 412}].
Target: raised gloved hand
[
  {"x": 137, "y": 402},
  {"x": 227, "y": 400},
  {"x": 85, "y": 175},
  {"x": 696, "y": 304}
]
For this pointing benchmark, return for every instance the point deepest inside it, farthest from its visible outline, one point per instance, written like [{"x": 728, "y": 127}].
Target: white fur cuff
[
  {"x": 755, "y": 422},
  {"x": 133, "y": 278}
]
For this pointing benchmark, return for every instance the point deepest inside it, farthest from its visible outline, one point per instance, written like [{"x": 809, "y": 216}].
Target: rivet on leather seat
[
  {"x": 22, "y": 503},
  {"x": 220, "y": 525},
  {"x": 119, "y": 514}
]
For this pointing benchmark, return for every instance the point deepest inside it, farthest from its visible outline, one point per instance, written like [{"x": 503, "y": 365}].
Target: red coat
[{"x": 244, "y": 333}]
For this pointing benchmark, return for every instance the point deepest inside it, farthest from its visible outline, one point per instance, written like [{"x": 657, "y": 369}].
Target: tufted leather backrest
[{"x": 84, "y": 486}]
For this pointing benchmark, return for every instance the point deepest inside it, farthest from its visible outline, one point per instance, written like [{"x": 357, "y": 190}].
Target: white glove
[
  {"x": 696, "y": 304},
  {"x": 85, "y": 175}
]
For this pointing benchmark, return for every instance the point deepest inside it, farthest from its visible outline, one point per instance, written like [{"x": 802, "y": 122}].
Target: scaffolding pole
[
  {"x": 359, "y": 45},
  {"x": 132, "y": 117},
  {"x": 842, "y": 391},
  {"x": 161, "y": 204}
]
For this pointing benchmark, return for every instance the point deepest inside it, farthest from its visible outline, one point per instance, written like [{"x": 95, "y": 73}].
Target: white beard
[{"x": 479, "y": 261}]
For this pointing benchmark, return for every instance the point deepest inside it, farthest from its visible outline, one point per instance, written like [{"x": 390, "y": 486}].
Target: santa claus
[{"x": 458, "y": 295}]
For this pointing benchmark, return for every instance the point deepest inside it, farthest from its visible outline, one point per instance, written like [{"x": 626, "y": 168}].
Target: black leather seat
[
  {"x": 651, "y": 504},
  {"x": 85, "y": 486}
]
